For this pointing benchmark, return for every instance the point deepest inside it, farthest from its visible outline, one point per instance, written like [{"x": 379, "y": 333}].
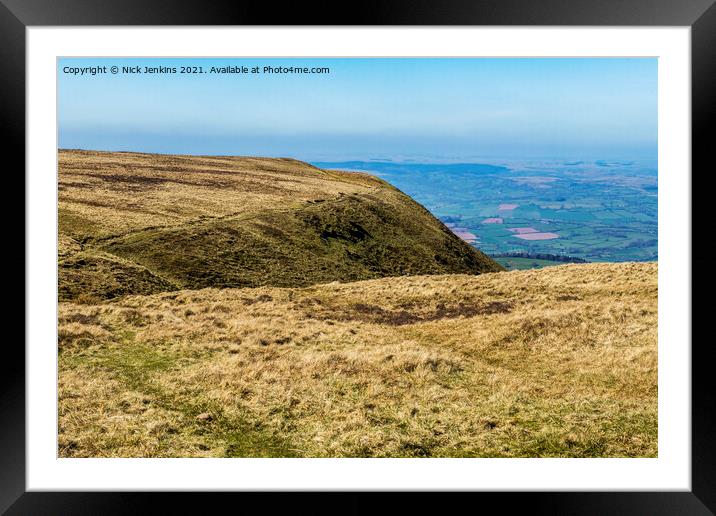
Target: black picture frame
[{"x": 700, "y": 15}]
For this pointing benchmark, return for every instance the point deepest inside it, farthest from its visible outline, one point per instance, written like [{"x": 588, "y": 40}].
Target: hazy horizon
[{"x": 457, "y": 109}]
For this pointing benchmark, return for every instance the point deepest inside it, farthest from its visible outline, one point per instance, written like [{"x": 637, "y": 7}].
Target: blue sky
[{"x": 601, "y": 108}]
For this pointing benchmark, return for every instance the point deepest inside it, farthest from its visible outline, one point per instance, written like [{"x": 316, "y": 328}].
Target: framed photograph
[{"x": 438, "y": 249}]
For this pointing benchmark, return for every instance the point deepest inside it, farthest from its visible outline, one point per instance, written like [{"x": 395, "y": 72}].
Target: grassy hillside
[
  {"x": 134, "y": 223},
  {"x": 558, "y": 362}
]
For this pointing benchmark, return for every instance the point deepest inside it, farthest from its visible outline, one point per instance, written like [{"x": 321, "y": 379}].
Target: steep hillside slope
[
  {"x": 557, "y": 362},
  {"x": 143, "y": 223}
]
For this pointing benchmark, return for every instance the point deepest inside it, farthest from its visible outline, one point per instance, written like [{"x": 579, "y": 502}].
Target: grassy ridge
[
  {"x": 136, "y": 223},
  {"x": 558, "y": 362}
]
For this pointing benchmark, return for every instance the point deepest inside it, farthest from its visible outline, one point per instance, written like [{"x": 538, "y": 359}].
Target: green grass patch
[{"x": 137, "y": 366}]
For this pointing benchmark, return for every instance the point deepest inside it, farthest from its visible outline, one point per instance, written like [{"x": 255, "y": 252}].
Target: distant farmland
[{"x": 600, "y": 211}]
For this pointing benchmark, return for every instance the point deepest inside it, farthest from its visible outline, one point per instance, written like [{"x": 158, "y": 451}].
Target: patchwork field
[
  {"x": 536, "y": 235},
  {"x": 558, "y": 362}
]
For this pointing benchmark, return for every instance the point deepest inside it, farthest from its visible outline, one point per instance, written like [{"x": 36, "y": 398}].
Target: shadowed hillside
[{"x": 140, "y": 223}]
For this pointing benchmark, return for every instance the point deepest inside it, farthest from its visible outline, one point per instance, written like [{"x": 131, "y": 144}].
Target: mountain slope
[
  {"x": 557, "y": 362},
  {"x": 142, "y": 223}
]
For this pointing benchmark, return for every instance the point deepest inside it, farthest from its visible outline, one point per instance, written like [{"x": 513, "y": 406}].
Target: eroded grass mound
[
  {"x": 558, "y": 362},
  {"x": 93, "y": 276}
]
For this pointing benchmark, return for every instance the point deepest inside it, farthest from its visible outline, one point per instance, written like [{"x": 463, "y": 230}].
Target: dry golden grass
[
  {"x": 558, "y": 362},
  {"x": 105, "y": 194}
]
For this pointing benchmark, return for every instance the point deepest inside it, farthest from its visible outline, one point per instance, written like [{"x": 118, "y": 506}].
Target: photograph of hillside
[{"x": 247, "y": 282}]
